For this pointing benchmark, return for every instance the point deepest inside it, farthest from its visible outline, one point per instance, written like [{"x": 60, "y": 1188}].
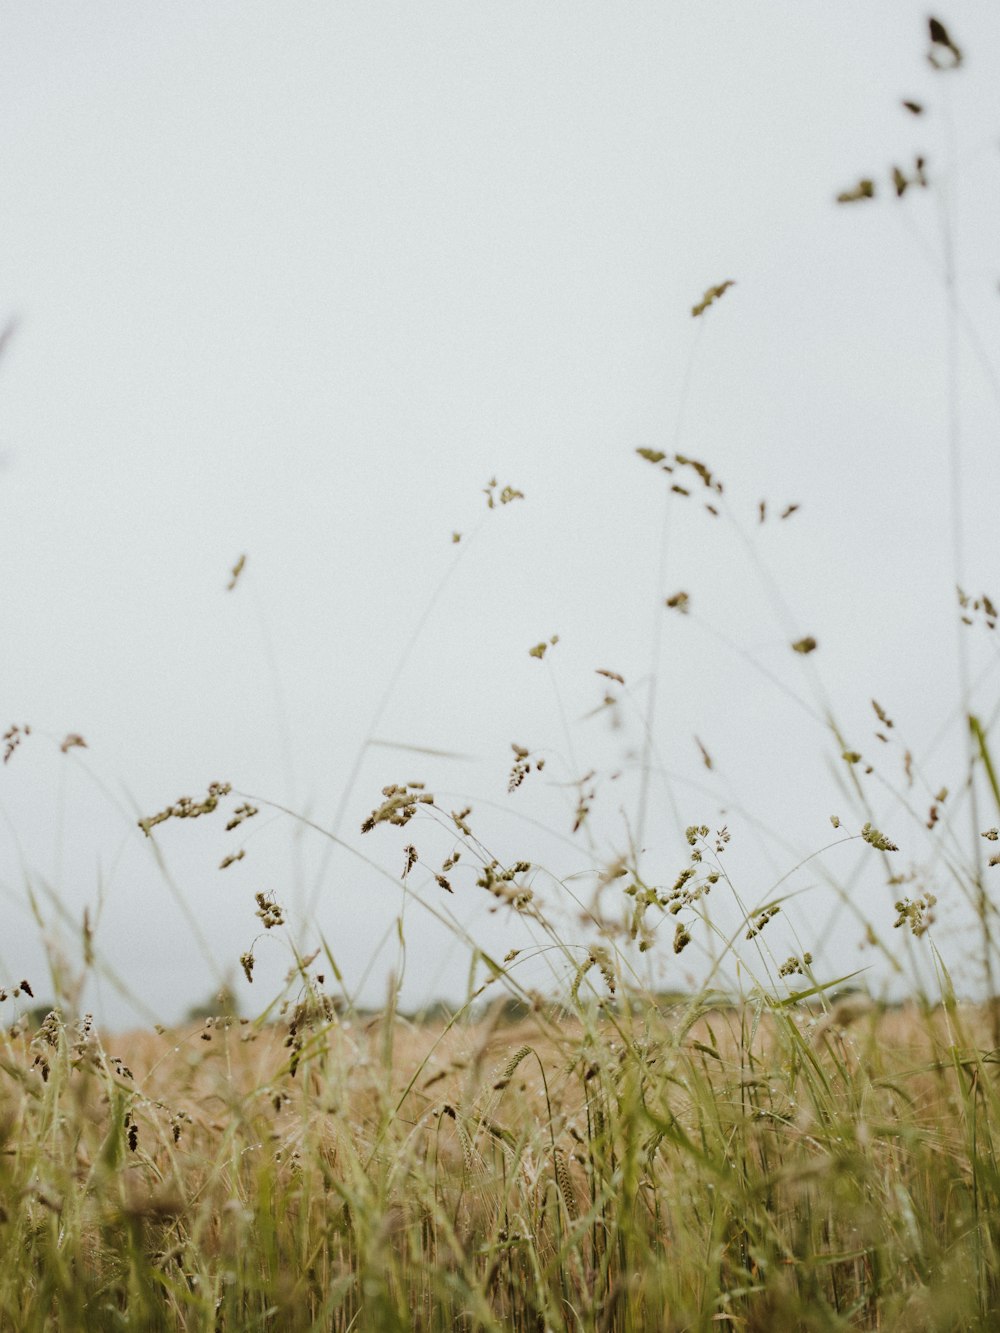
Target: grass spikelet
[
  {"x": 508, "y": 1071},
  {"x": 468, "y": 1152},
  {"x": 877, "y": 840},
  {"x": 711, "y": 296},
  {"x": 12, "y": 738},
  {"x": 235, "y": 572},
  {"x": 565, "y": 1184}
]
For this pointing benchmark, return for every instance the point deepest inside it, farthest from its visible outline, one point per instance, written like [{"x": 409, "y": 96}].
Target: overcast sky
[{"x": 297, "y": 281}]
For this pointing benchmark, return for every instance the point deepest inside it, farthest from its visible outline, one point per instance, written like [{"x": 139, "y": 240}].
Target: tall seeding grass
[
  {"x": 789, "y": 1154},
  {"x": 626, "y": 1167}
]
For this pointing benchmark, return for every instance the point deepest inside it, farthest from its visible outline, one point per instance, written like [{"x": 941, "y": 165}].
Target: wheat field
[{"x": 662, "y": 1164}]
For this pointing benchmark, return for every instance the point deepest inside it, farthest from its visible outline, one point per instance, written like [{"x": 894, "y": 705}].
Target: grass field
[{"x": 658, "y": 1165}]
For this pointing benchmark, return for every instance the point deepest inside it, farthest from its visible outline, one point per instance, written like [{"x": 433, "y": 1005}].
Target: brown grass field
[{"x": 639, "y": 1167}]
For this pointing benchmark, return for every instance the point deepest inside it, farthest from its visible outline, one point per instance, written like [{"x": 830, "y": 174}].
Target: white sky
[{"x": 296, "y": 281}]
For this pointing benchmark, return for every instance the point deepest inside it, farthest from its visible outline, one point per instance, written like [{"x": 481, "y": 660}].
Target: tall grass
[
  {"x": 791, "y": 1153},
  {"x": 631, "y": 1166}
]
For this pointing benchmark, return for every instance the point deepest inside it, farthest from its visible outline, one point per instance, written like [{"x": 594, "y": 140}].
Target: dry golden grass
[{"x": 630, "y": 1169}]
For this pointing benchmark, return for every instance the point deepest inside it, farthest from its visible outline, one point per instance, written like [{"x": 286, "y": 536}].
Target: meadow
[
  {"x": 667, "y": 1163},
  {"x": 780, "y": 1146}
]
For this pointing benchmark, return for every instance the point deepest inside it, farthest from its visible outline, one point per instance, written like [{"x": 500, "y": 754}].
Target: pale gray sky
[{"x": 296, "y": 281}]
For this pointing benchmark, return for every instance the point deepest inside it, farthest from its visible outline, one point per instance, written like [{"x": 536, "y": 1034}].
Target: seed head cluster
[
  {"x": 187, "y": 808},
  {"x": 399, "y": 806}
]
